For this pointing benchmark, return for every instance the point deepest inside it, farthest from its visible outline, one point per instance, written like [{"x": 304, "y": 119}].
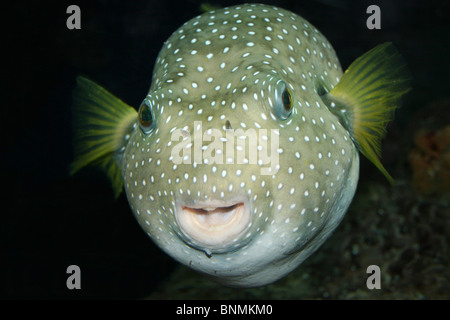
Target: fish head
[{"x": 236, "y": 167}]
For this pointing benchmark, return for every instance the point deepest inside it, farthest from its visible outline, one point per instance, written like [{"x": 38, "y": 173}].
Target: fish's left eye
[
  {"x": 283, "y": 101},
  {"x": 145, "y": 117},
  {"x": 287, "y": 100}
]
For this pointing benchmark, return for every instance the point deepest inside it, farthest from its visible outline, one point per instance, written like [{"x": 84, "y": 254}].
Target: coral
[{"x": 430, "y": 161}]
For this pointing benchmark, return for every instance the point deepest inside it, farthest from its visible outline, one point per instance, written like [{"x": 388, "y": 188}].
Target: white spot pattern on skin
[{"x": 231, "y": 60}]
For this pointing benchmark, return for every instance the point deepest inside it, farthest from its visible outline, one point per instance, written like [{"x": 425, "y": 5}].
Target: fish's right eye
[{"x": 145, "y": 117}]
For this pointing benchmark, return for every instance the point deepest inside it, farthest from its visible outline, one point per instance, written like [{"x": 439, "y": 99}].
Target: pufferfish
[{"x": 242, "y": 159}]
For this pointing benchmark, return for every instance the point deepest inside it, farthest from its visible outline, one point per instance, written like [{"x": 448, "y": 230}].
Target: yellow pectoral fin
[
  {"x": 366, "y": 97},
  {"x": 100, "y": 123}
]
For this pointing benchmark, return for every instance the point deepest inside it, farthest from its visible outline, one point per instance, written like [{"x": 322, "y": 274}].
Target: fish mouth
[{"x": 213, "y": 225}]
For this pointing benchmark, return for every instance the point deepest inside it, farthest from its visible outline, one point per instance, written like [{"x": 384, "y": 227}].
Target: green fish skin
[{"x": 244, "y": 156}]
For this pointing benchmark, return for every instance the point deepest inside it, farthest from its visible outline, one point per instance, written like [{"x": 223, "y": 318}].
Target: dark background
[{"x": 50, "y": 220}]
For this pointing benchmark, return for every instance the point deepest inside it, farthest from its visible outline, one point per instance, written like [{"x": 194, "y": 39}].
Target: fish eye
[
  {"x": 283, "y": 101},
  {"x": 145, "y": 117},
  {"x": 287, "y": 100}
]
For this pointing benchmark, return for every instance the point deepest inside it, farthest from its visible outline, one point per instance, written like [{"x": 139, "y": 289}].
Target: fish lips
[{"x": 214, "y": 226}]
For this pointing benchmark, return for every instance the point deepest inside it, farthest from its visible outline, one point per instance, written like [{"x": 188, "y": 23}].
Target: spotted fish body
[{"x": 252, "y": 73}]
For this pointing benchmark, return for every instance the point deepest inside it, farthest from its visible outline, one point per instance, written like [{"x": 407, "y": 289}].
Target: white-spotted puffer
[{"x": 243, "y": 157}]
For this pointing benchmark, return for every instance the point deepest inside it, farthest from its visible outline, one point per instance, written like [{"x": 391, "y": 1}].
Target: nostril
[{"x": 185, "y": 133}]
